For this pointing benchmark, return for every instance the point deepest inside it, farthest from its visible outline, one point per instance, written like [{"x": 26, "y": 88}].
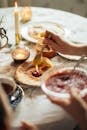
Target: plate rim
[
  {"x": 70, "y": 57},
  {"x": 31, "y": 39}
]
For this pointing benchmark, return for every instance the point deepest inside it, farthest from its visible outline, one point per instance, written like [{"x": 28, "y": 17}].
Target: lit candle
[{"x": 17, "y": 33}]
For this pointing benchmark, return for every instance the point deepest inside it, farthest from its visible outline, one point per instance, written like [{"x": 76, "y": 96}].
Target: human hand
[
  {"x": 58, "y": 43},
  {"x": 63, "y": 45},
  {"x": 27, "y": 126},
  {"x": 53, "y": 41},
  {"x": 76, "y": 106}
]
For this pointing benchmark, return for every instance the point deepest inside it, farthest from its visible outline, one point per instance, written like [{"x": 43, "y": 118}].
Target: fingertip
[
  {"x": 47, "y": 33},
  {"x": 59, "y": 101},
  {"x": 74, "y": 91}
]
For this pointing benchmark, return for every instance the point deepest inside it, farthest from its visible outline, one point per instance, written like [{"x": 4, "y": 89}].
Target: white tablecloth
[{"x": 39, "y": 109}]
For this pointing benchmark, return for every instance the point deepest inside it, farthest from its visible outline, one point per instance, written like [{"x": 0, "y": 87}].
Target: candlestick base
[{"x": 17, "y": 38}]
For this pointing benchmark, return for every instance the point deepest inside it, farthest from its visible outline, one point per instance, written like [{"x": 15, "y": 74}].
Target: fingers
[
  {"x": 52, "y": 36},
  {"x": 59, "y": 101},
  {"x": 75, "y": 94},
  {"x": 27, "y": 126},
  {"x": 51, "y": 44},
  {"x": 56, "y": 43},
  {"x": 75, "y": 98},
  {"x": 48, "y": 34},
  {"x": 85, "y": 98}
]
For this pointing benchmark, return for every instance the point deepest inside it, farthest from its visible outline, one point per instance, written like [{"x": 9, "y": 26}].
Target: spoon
[
  {"x": 74, "y": 68},
  {"x": 78, "y": 63}
]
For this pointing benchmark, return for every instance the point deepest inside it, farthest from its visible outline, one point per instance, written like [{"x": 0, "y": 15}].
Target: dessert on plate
[
  {"x": 58, "y": 81},
  {"x": 46, "y": 50},
  {"x": 30, "y": 72}
]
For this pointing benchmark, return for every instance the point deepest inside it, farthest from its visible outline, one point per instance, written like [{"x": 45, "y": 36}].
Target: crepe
[{"x": 24, "y": 75}]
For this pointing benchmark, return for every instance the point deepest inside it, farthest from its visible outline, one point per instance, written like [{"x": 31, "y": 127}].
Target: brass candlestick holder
[{"x": 17, "y": 38}]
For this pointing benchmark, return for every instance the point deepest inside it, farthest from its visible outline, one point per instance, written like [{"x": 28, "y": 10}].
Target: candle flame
[{"x": 16, "y": 4}]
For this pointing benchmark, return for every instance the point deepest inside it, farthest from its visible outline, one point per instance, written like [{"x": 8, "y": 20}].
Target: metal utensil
[
  {"x": 77, "y": 63},
  {"x": 74, "y": 67}
]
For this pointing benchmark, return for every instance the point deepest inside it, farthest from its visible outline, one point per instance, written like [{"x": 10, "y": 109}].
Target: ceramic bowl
[
  {"x": 58, "y": 80},
  {"x": 20, "y": 54}
]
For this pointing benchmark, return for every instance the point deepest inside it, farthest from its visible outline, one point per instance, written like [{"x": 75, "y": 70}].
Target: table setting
[{"x": 27, "y": 60}]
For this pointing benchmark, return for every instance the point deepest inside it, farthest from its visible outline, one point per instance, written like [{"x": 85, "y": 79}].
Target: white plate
[
  {"x": 71, "y": 57},
  {"x": 28, "y": 31},
  {"x": 78, "y": 34}
]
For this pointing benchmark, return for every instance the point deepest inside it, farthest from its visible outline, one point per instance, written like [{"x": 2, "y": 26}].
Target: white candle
[{"x": 16, "y": 14}]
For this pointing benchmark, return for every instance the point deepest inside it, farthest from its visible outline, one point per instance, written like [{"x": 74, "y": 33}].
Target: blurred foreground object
[{"x": 5, "y": 111}]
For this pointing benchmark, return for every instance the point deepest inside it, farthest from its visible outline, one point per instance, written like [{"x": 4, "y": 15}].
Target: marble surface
[
  {"x": 39, "y": 109},
  {"x": 75, "y": 25}
]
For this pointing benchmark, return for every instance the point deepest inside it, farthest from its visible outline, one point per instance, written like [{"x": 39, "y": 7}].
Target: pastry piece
[
  {"x": 24, "y": 72},
  {"x": 45, "y": 64},
  {"x": 45, "y": 50},
  {"x": 26, "y": 14},
  {"x": 48, "y": 52}
]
